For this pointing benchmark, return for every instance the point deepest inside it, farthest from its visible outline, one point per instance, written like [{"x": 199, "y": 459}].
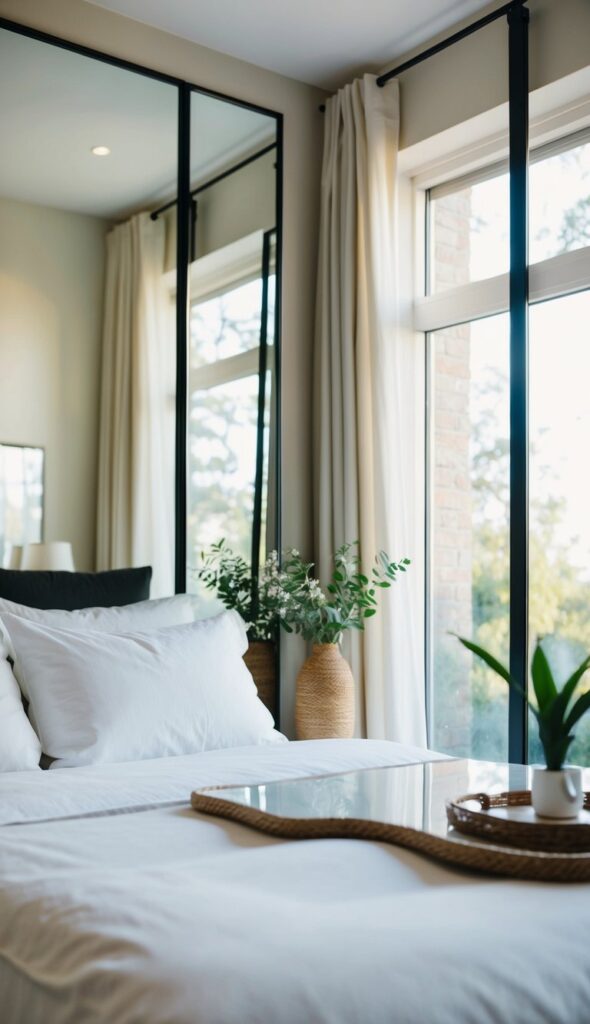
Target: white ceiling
[
  {"x": 323, "y": 42},
  {"x": 55, "y": 106}
]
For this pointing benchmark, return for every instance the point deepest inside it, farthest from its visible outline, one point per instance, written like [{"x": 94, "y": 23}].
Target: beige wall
[
  {"x": 51, "y": 282},
  {"x": 237, "y": 206},
  {"x": 472, "y": 76},
  {"x": 93, "y": 26}
]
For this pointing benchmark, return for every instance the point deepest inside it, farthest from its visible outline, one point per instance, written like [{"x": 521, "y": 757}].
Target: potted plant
[
  {"x": 230, "y": 577},
  {"x": 557, "y": 789},
  {"x": 324, "y": 703}
]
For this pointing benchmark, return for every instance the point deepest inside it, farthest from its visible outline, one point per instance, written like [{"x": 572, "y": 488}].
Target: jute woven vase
[
  {"x": 260, "y": 659},
  {"x": 324, "y": 702}
]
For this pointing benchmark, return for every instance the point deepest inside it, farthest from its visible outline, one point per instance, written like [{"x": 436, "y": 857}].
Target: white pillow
[
  {"x": 98, "y": 697},
  {"x": 144, "y": 615},
  {"x": 20, "y": 749}
]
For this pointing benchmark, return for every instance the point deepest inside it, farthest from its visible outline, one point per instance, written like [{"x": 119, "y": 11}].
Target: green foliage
[
  {"x": 230, "y": 577},
  {"x": 555, "y": 713},
  {"x": 350, "y": 598},
  {"x": 559, "y": 594}
]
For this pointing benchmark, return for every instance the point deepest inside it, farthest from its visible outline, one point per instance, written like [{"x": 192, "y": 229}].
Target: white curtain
[
  {"x": 367, "y": 403},
  {"x": 135, "y": 524}
]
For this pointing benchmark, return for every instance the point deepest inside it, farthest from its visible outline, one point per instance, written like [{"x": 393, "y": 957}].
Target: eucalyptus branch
[{"x": 349, "y": 599}]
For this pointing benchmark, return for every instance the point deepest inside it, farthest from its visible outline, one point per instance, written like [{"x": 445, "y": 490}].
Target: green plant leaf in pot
[{"x": 555, "y": 714}]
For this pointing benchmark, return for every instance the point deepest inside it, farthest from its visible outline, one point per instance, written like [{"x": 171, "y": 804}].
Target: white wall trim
[
  {"x": 216, "y": 272},
  {"x": 557, "y": 109},
  {"x": 245, "y": 364},
  {"x": 548, "y": 279}
]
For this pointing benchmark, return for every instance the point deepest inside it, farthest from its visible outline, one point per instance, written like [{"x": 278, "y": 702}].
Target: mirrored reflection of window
[
  {"x": 227, "y": 324},
  {"x": 225, "y": 330},
  {"x": 21, "y": 498}
]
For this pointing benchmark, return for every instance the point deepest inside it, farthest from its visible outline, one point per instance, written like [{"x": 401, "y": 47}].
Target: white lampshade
[
  {"x": 16, "y": 556},
  {"x": 56, "y": 555}
]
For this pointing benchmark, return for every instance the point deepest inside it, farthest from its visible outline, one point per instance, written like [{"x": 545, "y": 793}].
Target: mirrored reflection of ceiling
[{"x": 57, "y": 106}]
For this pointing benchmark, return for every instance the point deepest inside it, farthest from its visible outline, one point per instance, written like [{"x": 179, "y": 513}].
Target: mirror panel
[
  {"x": 73, "y": 236},
  {"x": 231, "y": 473},
  {"x": 88, "y": 315}
]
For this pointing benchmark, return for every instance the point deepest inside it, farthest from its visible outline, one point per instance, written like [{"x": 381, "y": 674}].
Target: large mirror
[{"x": 89, "y": 315}]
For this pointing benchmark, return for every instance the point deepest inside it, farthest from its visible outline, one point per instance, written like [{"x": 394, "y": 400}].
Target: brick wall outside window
[{"x": 451, "y": 486}]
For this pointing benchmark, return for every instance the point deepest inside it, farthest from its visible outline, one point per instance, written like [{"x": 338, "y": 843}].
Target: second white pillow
[{"x": 98, "y": 697}]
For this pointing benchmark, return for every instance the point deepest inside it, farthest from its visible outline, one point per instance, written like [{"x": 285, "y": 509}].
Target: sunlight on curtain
[{"x": 367, "y": 402}]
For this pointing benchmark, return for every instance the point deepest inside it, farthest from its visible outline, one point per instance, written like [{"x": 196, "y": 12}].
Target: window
[
  {"x": 464, "y": 317},
  {"x": 224, "y": 392}
]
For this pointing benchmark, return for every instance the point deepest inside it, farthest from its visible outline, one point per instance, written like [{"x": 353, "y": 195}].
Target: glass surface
[
  {"x": 468, "y": 705},
  {"x": 223, "y": 423},
  {"x": 222, "y": 458},
  {"x": 469, "y": 231},
  {"x": 226, "y": 324},
  {"x": 87, "y": 305},
  {"x": 409, "y": 795},
  {"x": 560, "y": 493},
  {"x": 559, "y": 203},
  {"x": 21, "y": 498},
  {"x": 469, "y": 228},
  {"x": 235, "y": 211}
]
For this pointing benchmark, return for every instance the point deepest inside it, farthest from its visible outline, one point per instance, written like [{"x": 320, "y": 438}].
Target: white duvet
[{"x": 118, "y": 904}]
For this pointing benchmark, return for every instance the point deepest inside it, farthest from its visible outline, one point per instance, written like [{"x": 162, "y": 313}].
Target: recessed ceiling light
[{"x": 100, "y": 150}]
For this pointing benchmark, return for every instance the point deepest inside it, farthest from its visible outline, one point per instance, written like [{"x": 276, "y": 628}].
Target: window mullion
[{"x": 518, "y": 19}]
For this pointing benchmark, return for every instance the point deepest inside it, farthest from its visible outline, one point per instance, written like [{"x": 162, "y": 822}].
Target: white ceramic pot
[{"x": 557, "y": 794}]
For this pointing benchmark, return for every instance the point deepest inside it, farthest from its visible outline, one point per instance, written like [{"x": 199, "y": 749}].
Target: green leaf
[
  {"x": 559, "y": 708},
  {"x": 580, "y": 708},
  {"x": 369, "y": 612},
  {"x": 543, "y": 681},
  {"x": 489, "y": 659}
]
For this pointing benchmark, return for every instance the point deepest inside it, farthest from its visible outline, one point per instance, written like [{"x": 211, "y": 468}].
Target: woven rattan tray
[
  {"x": 507, "y": 819},
  {"x": 452, "y": 848}
]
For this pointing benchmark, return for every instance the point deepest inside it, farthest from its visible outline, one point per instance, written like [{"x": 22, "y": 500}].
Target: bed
[{"x": 120, "y": 904}]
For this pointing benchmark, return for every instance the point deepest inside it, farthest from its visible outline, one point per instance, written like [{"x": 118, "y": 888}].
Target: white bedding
[{"x": 118, "y": 904}]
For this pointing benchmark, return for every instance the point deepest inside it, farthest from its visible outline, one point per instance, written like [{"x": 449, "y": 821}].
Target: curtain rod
[
  {"x": 444, "y": 43},
  {"x": 217, "y": 178}
]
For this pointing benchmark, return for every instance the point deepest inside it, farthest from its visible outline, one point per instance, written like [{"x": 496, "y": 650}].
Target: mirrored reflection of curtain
[
  {"x": 136, "y": 435},
  {"x": 367, "y": 402}
]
